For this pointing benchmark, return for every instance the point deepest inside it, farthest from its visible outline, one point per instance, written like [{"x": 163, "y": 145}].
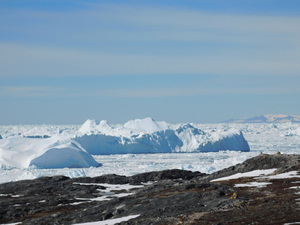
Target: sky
[{"x": 201, "y": 61}]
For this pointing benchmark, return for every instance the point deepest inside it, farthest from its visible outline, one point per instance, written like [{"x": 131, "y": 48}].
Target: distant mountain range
[{"x": 267, "y": 119}]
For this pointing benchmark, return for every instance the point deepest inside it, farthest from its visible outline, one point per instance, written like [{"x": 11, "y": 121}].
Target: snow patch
[
  {"x": 105, "y": 196},
  {"x": 12, "y": 223},
  {"x": 260, "y": 174},
  {"x": 114, "y": 187},
  {"x": 291, "y": 174},
  {"x": 253, "y": 184},
  {"x": 254, "y": 173},
  {"x": 294, "y": 187},
  {"x": 293, "y": 223},
  {"x": 110, "y": 221},
  {"x": 109, "y": 192}
]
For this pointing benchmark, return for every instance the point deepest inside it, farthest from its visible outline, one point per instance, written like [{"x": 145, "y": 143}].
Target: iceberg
[
  {"x": 146, "y": 125},
  {"x": 196, "y": 140},
  {"x": 158, "y": 142},
  {"x": 55, "y": 152},
  {"x": 149, "y": 136},
  {"x": 65, "y": 155}
]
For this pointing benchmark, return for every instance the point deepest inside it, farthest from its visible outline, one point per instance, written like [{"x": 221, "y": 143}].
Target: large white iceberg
[{"x": 149, "y": 136}]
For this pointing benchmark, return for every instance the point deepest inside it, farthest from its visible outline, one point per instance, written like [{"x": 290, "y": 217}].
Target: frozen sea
[{"x": 266, "y": 138}]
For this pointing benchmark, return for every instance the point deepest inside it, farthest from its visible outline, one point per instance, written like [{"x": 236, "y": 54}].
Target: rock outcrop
[
  {"x": 164, "y": 197},
  {"x": 282, "y": 162}
]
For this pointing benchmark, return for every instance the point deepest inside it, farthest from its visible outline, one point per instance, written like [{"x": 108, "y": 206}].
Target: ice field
[{"x": 261, "y": 137}]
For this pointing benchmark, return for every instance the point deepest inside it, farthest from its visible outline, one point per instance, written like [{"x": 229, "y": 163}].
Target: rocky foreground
[{"x": 165, "y": 197}]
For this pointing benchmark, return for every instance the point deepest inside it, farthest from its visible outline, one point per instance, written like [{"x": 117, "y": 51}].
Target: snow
[
  {"x": 105, "y": 196},
  {"x": 109, "y": 192},
  {"x": 11, "y": 223},
  {"x": 10, "y": 195},
  {"x": 261, "y": 174},
  {"x": 114, "y": 187},
  {"x": 253, "y": 184},
  {"x": 110, "y": 221},
  {"x": 254, "y": 173},
  {"x": 291, "y": 174},
  {"x": 295, "y": 187}
]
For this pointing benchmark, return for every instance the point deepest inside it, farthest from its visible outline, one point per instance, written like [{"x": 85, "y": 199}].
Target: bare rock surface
[
  {"x": 282, "y": 162},
  {"x": 163, "y": 197}
]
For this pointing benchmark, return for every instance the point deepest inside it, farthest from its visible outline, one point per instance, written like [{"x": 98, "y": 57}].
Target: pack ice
[{"x": 75, "y": 149}]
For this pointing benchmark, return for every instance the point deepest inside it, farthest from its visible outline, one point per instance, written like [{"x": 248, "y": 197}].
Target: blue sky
[{"x": 62, "y": 62}]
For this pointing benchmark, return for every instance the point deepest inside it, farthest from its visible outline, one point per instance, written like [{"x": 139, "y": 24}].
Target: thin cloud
[
  {"x": 31, "y": 91},
  {"x": 136, "y": 92},
  {"x": 24, "y": 60},
  {"x": 115, "y": 40}
]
